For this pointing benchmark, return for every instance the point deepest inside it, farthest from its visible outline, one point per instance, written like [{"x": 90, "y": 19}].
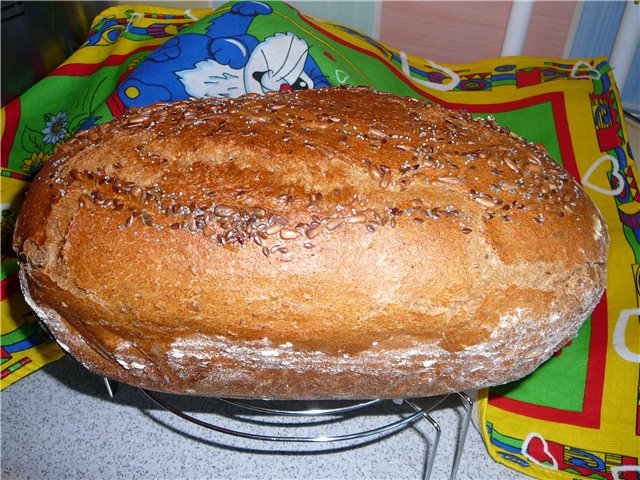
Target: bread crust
[{"x": 332, "y": 243}]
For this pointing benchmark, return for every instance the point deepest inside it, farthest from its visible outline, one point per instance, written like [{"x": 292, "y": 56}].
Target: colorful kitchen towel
[{"x": 575, "y": 417}]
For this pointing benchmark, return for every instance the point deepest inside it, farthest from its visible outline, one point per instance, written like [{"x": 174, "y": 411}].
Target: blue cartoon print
[{"x": 226, "y": 62}]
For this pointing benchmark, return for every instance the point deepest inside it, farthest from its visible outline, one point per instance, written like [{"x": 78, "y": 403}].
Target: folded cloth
[{"x": 577, "y": 415}]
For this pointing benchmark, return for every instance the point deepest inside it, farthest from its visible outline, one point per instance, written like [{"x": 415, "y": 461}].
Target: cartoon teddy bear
[{"x": 226, "y": 62}]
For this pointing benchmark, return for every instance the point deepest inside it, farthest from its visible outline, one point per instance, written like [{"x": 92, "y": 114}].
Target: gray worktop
[{"x": 59, "y": 423}]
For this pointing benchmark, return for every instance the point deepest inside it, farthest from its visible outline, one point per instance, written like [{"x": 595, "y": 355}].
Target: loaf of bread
[{"x": 324, "y": 244}]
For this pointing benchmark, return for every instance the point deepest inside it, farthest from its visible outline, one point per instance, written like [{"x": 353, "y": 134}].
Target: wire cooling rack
[{"x": 314, "y": 417}]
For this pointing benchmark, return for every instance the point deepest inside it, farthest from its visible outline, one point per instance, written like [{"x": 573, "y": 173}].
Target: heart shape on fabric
[
  {"x": 592, "y": 74},
  {"x": 342, "y": 76},
  {"x": 615, "y": 471},
  {"x": 536, "y": 449},
  {"x": 619, "y": 342},
  {"x": 443, "y": 87},
  {"x": 615, "y": 172}
]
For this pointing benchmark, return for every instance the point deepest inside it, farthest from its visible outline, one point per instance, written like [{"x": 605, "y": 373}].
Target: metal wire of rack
[{"x": 416, "y": 414}]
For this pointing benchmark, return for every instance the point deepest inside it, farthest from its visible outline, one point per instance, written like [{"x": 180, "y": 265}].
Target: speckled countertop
[{"x": 60, "y": 423}]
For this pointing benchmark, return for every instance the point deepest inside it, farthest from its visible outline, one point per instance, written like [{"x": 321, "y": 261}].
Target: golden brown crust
[{"x": 332, "y": 243}]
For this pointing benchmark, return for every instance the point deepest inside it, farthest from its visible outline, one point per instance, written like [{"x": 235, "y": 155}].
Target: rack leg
[
  {"x": 462, "y": 436},
  {"x": 432, "y": 456},
  {"x": 429, "y": 461}
]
